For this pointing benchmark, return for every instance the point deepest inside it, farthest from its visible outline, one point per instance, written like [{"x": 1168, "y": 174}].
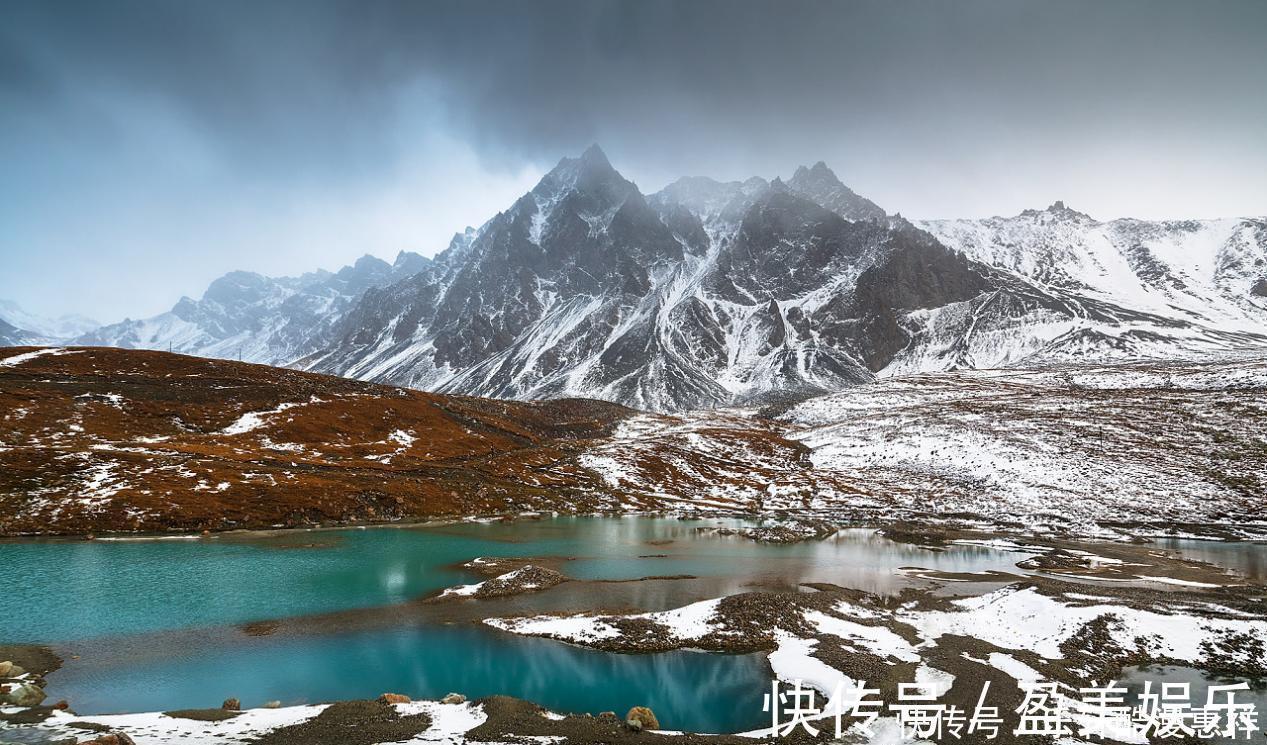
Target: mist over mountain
[
  {"x": 62, "y": 327},
  {"x": 709, "y": 294}
]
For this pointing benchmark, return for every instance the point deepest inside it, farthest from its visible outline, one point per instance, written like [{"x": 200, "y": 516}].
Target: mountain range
[
  {"x": 247, "y": 316},
  {"x": 19, "y": 326},
  {"x": 709, "y": 294}
]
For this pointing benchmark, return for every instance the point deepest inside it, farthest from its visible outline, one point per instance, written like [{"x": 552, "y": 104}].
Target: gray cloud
[{"x": 181, "y": 117}]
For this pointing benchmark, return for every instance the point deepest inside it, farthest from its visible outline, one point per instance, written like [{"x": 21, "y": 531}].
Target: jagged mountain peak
[
  {"x": 410, "y": 260},
  {"x": 817, "y": 171},
  {"x": 1058, "y": 210},
  {"x": 595, "y": 155},
  {"x": 592, "y": 162},
  {"x": 368, "y": 262},
  {"x": 590, "y": 174},
  {"x": 819, "y": 184}
]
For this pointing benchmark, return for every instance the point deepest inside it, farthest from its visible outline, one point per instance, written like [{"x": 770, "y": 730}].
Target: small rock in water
[
  {"x": 231, "y": 704},
  {"x": 273, "y": 705},
  {"x": 453, "y": 698},
  {"x": 644, "y": 717},
  {"x": 394, "y": 698}
]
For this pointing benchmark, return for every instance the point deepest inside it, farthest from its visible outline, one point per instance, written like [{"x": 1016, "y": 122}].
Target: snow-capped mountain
[
  {"x": 705, "y": 294},
  {"x": 248, "y": 316},
  {"x": 711, "y": 293},
  {"x": 52, "y": 329}
]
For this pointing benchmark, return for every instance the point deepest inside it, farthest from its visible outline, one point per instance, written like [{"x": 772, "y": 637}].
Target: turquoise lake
[
  {"x": 157, "y": 624},
  {"x": 63, "y": 591}
]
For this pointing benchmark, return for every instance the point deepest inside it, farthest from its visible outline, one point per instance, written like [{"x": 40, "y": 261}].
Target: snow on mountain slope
[
  {"x": 705, "y": 294},
  {"x": 1076, "y": 445},
  {"x": 11, "y": 336},
  {"x": 62, "y": 327},
  {"x": 710, "y": 294},
  {"x": 256, "y": 318},
  {"x": 1200, "y": 272}
]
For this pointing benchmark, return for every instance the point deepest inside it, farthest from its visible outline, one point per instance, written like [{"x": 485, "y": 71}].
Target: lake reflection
[{"x": 687, "y": 690}]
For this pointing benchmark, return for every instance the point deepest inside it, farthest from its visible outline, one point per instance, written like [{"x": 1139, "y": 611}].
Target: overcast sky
[{"x": 148, "y": 147}]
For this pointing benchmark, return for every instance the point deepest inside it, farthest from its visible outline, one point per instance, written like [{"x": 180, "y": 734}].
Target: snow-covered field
[
  {"x": 1072, "y": 445},
  {"x": 1085, "y": 448}
]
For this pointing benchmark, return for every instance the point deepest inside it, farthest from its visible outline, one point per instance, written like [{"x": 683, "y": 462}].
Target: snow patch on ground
[
  {"x": 1024, "y": 619},
  {"x": 253, "y": 420},
  {"x": 687, "y": 623},
  {"x": 450, "y": 722},
  {"x": 25, "y": 357},
  {"x": 875, "y": 639}
]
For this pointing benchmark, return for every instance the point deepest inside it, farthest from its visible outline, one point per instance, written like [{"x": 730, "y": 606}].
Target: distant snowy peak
[
  {"x": 273, "y": 320},
  {"x": 59, "y": 328},
  {"x": 1197, "y": 271},
  {"x": 12, "y": 336},
  {"x": 1058, "y": 212}
]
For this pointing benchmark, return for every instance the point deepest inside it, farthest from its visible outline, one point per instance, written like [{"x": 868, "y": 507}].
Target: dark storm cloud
[
  {"x": 134, "y": 126},
  {"x": 311, "y": 84}
]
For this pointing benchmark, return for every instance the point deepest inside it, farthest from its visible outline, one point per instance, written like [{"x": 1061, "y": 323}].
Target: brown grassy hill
[{"x": 98, "y": 439}]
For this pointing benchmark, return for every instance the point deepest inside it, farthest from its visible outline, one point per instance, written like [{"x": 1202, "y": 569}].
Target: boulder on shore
[
  {"x": 644, "y": 717},
  {"x": 231, "y": 704},
  {"x": 453, "y": 698},
  {"x": 393, "y": 698},
  {"x": 25, "y": 695}
]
